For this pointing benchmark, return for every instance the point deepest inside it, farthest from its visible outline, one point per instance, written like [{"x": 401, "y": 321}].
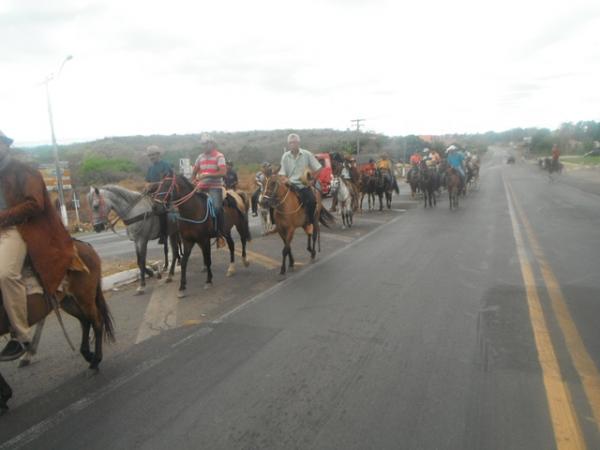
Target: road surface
[{"x": 433, "y": 329}]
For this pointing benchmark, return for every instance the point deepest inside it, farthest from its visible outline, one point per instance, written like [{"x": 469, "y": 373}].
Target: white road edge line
[
  {"x": 303, "y": 273},
  {"x": 37, "y": 430},
  {"x": 51, "y": 422}
]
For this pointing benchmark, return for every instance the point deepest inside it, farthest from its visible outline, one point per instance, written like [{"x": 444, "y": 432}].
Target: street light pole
[{"x": 59, "y": 181}]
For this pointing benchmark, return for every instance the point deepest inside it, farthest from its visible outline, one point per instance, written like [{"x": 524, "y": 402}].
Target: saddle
[
  {"x": 240, "y": 203},
  {"x": 32, "y": 284}
]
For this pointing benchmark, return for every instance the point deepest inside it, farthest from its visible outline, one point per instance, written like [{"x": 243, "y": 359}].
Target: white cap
[{"x": 206, "y": 137}]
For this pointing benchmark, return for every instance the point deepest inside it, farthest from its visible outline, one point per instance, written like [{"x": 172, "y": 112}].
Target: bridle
[{"x": 274, "y": 196}]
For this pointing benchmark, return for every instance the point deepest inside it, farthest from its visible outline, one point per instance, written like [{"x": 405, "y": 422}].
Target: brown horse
[
  {"x": 197, "y": 225},
  {"x": 82, "y": 298},
  {"x": 368, "y": 185},
  {"x": 289, "y": 214},
  {"x": 453, "y": 186}
]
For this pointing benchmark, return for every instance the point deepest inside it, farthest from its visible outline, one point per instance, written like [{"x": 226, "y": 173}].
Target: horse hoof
[
  {"x": 140, "y": 291},
  {"x": 168, "y": 280},
  {"x": 181, "y": 294},
  {"x": 158, "y": 275},
  {"x": 246, "y": 263},
  {"x": 24, "y": 362},
  {"x": 230, "y": 273},
  {"x": 94, "y": 370},
  {"x": 207, "y": 285}
]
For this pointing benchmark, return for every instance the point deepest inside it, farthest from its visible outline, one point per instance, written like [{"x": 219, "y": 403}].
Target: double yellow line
[{"x": 565, "y": 422}]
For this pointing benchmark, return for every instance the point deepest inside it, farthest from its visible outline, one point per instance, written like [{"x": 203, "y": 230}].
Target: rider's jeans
[
  {"x": 13, "y": 251},
  {"x": 216, "y": 194}
]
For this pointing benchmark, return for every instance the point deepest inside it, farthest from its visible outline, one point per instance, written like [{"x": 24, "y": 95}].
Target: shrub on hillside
[{"x": 95, "y": 169}]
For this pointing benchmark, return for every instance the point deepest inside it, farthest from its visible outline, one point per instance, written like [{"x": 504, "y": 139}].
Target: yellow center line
[
  {"x": 263, "y": 260},
  {"x": 567, "y": 431},
  {"x": 583, "y": 362}
]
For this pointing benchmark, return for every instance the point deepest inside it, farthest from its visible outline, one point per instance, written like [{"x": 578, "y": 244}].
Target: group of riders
[
  {"x": 26, "y": 211},
  {"x": 465, "y": 163}
]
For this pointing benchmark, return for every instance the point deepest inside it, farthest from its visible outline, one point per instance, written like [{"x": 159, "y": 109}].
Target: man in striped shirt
[{"x": 209, "y": 170}]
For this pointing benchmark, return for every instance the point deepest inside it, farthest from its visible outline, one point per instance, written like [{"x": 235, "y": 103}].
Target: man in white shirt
[{"x": 294, "y": 163}]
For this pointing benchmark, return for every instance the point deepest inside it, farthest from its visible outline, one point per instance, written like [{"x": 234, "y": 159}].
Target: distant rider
[
  {"x": 456, "y": 160},
  {"x": 231, "y": 177},
  {"x": 260, "y": 179}
]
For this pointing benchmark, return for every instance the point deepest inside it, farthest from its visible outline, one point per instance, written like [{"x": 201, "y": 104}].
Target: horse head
[
  {"x": 100, "y": 209},
  {"x": 272, "y": 191}
]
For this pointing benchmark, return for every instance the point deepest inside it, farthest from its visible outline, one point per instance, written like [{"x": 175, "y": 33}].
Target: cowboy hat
[{"x": 153, "y": 150}]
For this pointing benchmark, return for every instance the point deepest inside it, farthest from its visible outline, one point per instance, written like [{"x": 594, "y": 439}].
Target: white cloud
[{"x": 145, "y": 67}]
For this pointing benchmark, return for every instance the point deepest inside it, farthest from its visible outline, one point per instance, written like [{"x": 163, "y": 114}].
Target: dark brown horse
[
  {"x": 290, "y": 214},
  {"x": 83, "y": 299},
  {"x": 196, "y": 218},
  {"x": 453, "y": 185},
  {"x": 368, "y": 185}
]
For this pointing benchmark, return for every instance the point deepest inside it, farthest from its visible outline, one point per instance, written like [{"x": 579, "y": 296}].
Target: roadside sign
[{"x": 48, "y": 172}]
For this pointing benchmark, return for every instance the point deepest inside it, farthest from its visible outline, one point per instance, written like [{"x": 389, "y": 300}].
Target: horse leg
[
  {"x": 5, "y": 394},
  {"x": 35, "y": 342},
  {"x": 175, "y": 257},
  {"x": 84, "y": 348},
  {"x": 98, "y": 336},
  {"x": 187, "y": 250},
  {"x": 231, "y": 246},
  {"x": 142, "y": 267},
  {"x": 207, "y": 262},
  {"x": 290, "y": 256}
]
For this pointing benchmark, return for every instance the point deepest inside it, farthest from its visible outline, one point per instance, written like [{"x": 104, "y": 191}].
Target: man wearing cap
[
  {"x": 156, "y": 172},
  {"x": 209, "y": 170},
  {"x": 294, "y": 162},
  {"x": 259, "y": 180},
  {"x": 29, "y": 226}
]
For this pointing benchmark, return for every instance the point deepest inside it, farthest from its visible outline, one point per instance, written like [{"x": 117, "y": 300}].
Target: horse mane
[{"x": 127, "y": 195}]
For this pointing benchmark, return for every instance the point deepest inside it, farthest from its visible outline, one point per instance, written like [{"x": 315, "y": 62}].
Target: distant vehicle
[
  {"x": 324, "y": 177},
  {"x": 594, "y": 152},
  {"x": 510, "y": 160}
]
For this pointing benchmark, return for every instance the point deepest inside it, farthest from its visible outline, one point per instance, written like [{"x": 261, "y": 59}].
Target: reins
[{"x": 281, "y": 203}]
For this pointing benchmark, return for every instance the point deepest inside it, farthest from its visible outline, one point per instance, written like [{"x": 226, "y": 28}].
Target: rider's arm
[{"x": 31, "y": 206}]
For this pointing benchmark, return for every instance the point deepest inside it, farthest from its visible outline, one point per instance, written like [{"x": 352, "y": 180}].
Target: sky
[{"x": 407, "y": 67}]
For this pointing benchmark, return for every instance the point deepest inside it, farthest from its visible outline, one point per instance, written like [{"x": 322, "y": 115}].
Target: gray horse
[{"x": 137, "y": 211}]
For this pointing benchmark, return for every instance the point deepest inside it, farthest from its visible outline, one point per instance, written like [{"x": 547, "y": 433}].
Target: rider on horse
[
  {"x": 259, "y": 180},
  {"x": 209, "y": 170},
  {"x": 156, "y": 172},
  {"x": 231, "y": 177},
  {"x": 29, "y": 226},
  {"x": 385, "y": 165},
  {"x": 555, "y": 157},
  {"x": 455, "y": 160},
  {"x": 294, "y": 163}
]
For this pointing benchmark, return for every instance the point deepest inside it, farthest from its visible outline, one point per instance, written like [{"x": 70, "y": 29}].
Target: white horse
[
  {"x": 137, "y": 213},
  {"x": 340, "y": 190}
]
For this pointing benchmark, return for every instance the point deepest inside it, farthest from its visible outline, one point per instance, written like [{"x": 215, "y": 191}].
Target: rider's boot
[{"x": 14, "y": 350}]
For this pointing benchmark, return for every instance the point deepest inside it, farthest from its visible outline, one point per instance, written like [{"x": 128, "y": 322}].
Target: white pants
[{"x": 13, "y": 251}]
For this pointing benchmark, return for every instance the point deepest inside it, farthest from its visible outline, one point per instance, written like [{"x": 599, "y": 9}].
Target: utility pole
[
  {"x": 59, "y": 181},
  {"x": 358, "y": 121}
]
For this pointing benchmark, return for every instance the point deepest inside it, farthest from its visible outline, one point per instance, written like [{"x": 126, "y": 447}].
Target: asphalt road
[{"x": 430, "y": 329}]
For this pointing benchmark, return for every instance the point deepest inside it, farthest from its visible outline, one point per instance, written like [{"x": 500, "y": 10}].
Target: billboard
[{"x": 48, "y": 171}]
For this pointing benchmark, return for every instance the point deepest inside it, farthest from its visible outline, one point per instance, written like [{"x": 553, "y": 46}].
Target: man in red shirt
[
  {"x": 415, "y": 159},
  {"x": 209, "y": 170}
]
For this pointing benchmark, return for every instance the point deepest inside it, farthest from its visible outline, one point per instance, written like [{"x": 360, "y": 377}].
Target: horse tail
[
  {"x": 105, "y": 315},
  {"x": 326, "y": 218},
  {"x": 244, "y": 228}
]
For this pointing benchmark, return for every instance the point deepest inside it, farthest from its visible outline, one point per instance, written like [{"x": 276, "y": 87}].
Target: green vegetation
[
  {"x": 97, "y": 169},
  {"x": 587, "y": 160},
  {"x": 115, "y": 158}
]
